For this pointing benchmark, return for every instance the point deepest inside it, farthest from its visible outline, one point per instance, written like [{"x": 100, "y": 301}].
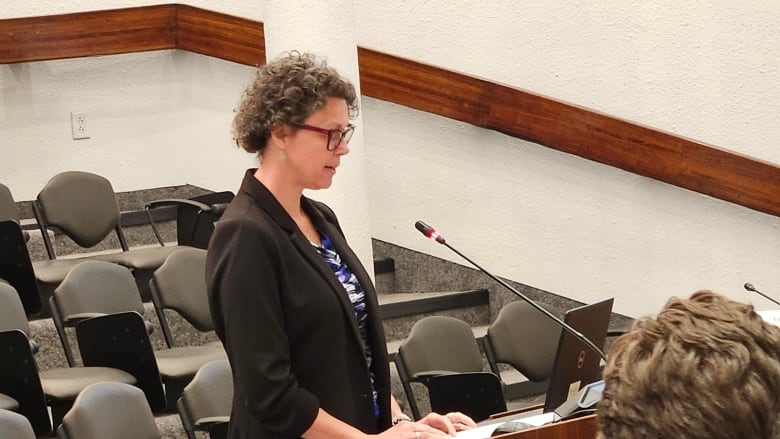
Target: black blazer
[{"x": 287, "y": 323}]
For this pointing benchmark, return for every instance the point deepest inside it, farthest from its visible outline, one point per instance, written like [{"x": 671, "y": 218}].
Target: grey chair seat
[
  {"x": 144, "y": 258},
  {"x": 66, "y": 383},
  {"x": 213, "y": 420},
  {"x": 53, "y": 271},
  {"x": 185, "y": 361},
  {"x": 8, "y": 403}
]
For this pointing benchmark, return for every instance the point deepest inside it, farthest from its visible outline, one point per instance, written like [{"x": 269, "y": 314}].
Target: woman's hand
[
  {"x": 413, "y": 430},
  {"x": 450, "y": 423}
]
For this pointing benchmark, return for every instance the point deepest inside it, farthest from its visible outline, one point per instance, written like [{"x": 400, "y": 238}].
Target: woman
[{"x": 291, "y": 302}]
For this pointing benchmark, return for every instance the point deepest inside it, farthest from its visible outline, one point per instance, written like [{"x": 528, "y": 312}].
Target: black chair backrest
[
  {"x": 19, "y": 379},
  {"x": 16, "y": 267},
  {"x": 121, "y": 341},
  {"x": 193, "y": 226},
  {"x": 476, "y": 394}
]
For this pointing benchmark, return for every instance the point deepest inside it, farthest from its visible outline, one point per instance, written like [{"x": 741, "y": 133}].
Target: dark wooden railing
[{"x": 589, "y": 134}]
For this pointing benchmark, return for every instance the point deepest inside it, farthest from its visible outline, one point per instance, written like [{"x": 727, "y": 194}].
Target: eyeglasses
[{"x": 335, "y": 136}]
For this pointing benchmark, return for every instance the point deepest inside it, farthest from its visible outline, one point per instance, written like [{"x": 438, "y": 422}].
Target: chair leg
[{"x": 405, "y": 382}]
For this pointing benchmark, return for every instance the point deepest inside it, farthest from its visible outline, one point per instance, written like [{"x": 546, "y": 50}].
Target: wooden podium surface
[{"x": 585, "y": 427}]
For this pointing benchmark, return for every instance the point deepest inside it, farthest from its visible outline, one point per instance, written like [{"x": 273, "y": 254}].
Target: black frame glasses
[{"x": 335, "y": 136}]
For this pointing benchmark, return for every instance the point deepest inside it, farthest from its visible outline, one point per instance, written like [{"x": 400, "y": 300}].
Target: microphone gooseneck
[
  {"x": 751, "y": 288},
  {"x": 432, "y": 234}
]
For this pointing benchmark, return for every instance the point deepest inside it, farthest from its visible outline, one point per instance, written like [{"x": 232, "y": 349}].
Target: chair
[
  {"x": 109, "y": 410},
  {"x": 15, "y": 426},
  {"x": 436, "y": 345},
  {"x": 91, "y": 289},
  {"x": 98, "y": 288},
  {"x": 525, "y": 339},
  {"x": 83, "y": 206},
  {"x": 477, "y": 394},
  {"x": 195, "y": 217},
  {"x": 180, "y": 285},
  {"x": 19, "y": 376},
  {"x": 206, "y": 402}
]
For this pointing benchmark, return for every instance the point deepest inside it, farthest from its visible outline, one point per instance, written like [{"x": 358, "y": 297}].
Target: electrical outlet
[{"x": 78, "y": 126}]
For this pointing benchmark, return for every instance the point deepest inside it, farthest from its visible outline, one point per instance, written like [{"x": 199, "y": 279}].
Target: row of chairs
[
  {"x": 83, "y": 206},
  {"x": 101, "y": 301},
  {"x": 121, "y": 411},
  {"x": 443, "y": 354}
]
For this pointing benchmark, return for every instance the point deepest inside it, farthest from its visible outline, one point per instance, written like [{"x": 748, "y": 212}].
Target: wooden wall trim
[
  {"x": 88, "y": 34},
  {"x": 219, "y": 35},
  {"x": 559, "y": 125},
  {"x": 576, "y": 130}
]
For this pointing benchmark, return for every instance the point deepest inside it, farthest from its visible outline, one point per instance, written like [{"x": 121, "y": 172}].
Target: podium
[{"x": 585, "y": 427}]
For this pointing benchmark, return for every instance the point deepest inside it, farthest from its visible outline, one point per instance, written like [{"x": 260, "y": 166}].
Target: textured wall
[
  {"x": 537, "y": 216},
  {"x": 705, "y": 70}
]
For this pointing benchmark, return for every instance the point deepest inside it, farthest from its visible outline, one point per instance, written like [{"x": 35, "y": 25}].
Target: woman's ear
[{"x": 280, "y": 132}]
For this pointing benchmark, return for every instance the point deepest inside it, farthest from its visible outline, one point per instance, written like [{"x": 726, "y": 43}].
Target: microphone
[
  {"x": 432, "y": 234},
  {"x": 750, "y": 287}
]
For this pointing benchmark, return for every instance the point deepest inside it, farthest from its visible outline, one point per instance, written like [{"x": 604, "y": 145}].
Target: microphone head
[
  {"x": 425, "y": 229},
  {"x": 749, "y": 287},
  {"x": 429, "y": 232}
]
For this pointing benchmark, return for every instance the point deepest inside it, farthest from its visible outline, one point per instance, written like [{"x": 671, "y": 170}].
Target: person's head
[
  {"x": 297, "y": 110},
  {"x": 705, "y": 367}
]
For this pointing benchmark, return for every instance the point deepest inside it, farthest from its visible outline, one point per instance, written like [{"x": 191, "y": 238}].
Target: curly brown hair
[
  {"x": 706, "y": 368},
  {"x": 287, "y": 90}
]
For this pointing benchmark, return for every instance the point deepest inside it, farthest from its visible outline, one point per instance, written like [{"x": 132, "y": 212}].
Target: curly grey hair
[{"x": 287, "y": 90}]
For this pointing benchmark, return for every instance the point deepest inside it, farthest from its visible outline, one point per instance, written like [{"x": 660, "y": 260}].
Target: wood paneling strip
[
  {"x": 424, "y": 87},
  {"x": 586, "y": 133},
  {"x": 220, "y": 35},
  {"x": 641, "y": 150},
  {"x": 87, "y": 34}
]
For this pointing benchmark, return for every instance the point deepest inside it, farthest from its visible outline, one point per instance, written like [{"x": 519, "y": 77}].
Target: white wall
[
  {"x": 526, "y": 212},
  {"x": 705, "y": 70},
  {"x": 155, "y": 118}
]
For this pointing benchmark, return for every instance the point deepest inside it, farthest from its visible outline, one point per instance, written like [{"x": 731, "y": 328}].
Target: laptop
[{"x": 576, "y": 365}]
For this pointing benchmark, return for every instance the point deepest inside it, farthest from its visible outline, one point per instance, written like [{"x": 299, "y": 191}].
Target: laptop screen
[{"x": 576, "y": 365}]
